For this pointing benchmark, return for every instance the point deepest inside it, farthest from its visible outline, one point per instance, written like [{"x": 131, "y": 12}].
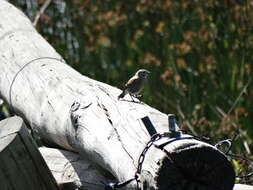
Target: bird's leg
[
  {"x": 136, "y": 96},
  {"x": 132, "y": 97}
]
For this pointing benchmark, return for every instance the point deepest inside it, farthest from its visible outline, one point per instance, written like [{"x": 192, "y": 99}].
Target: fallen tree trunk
[
  {"x": 84, "y": 115},
  {"x": 50, "y": 96}
]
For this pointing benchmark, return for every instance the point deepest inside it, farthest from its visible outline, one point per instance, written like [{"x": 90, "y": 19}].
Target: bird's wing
[{"x": 132, "y": 81}]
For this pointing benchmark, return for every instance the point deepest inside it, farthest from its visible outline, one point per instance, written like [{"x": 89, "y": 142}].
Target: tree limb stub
[{"x": 74, "y": 111}]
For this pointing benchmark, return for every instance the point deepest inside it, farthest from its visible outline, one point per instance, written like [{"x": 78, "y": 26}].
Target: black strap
[{"x": 149, "y": 126}]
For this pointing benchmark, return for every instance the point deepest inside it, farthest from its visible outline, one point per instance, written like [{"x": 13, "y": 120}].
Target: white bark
[
  {"x": 243, "y": 187},
  {"x": 41, "y": 88}
]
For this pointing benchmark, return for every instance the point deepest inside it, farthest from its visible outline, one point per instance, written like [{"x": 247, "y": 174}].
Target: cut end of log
[
  {"x": 191, "y": 164},
  {"x": 22, "y": 166}
]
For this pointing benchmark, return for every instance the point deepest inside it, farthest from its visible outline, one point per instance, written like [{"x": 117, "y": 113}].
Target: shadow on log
[{"x": 21, "y": 164}]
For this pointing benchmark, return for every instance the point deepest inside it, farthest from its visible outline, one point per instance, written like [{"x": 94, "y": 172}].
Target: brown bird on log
[{"x": 135, "y": 84}]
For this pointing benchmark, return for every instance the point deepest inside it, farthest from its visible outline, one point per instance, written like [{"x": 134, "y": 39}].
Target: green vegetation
[{"x": 200, "y": 54}]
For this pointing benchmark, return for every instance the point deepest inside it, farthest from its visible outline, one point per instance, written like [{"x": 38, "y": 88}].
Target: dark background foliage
[{"x": 200, "y": 54}]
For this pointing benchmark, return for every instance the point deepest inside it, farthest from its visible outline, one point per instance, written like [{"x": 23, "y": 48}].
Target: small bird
[{"x": 135, "y": 84}]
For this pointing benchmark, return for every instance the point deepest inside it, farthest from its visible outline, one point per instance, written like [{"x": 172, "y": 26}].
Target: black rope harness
[
  {"x": 161, "y": 140},
  {"x": 169, "y": 137}
]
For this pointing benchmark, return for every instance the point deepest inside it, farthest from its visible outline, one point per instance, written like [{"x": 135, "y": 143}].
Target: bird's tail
[{"x": 122, "y": 94}]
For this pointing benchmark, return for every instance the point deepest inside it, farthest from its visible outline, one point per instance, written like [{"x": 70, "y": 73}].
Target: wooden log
[
  {"x": 74, "y": 111},
  {"x": 71, "y": 171},
  {"x": 243, "y": 187},
  {"x": 22, "y": 166},
  {"x": 66, "y": 108}
]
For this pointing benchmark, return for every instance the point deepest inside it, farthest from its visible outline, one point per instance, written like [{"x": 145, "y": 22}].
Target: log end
[
  {"x": 191, "y": 164},
  {"x": 22, "y": 166}
]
